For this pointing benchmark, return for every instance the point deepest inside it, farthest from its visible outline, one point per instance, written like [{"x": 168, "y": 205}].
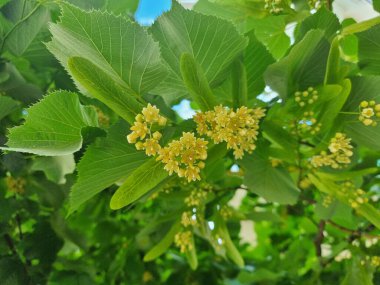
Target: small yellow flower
[
  {"x": 15, "y": 185},
  {"x": 368, "y": 114},
  {"x": 184, "y": 156},
  {"x": 183, "y": 240},
  {"x": 141, "y": 130},
  {"x": 239, "y": 129},
  {"x": 340, "y": 153}
]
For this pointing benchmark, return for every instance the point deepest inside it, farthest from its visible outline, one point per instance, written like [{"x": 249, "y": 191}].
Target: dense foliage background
[{"x": 80, "y": 205}]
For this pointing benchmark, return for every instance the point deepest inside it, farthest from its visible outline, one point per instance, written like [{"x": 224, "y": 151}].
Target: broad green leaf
[
  {"x": 28, "y": 18},
  {"x": 273, "y": 184},
  {"x": 357, "y": 273},
  {"x": 164, "y": 244},
  {"x": 363, "y": 88},
  {"x": 104, "y": 88},
  {"x": 369, "y": 50},
  {"x": 304, "y": 66},
  {"x": 214, "y": 43},
  {"x": 323, "y": 19},
  {"x": 7, "y": 106},
  {"x": 256, "y": 60},
  {"x": 116, "y": 45},
  {"x": 196, "y": 82},
  {"x": 271, "y": 32},
  {"x": 55, "y": 167},
  {"x": 376, "y": 5},
  {"x": 53, "y": 126},
  {"x": 104, "y": 163},
  {"x": 141, "y": 181}
]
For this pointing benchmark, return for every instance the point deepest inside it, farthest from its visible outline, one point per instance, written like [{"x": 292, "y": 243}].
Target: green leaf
[
  {"x": 104, "y": 163},
  {"x": 140, "y": 182},
  {"x": 376, "y": 5},
  {"x": 369, "y": 50},
  {"x": 12, "y": 271},
  {"x": 214, "y": 44},
  {"x": 116, "y": 45},
  {"x": 104, "y": 88},
  {"x": 55, "y": 167},
  {"x": 273, "y": 184},
  {"x": 361, "y": 26},
  {"x": 7, "y": 106},
  {"x": 304, "y": 66},
  {"x": 53, "y": 126},
  {"x": 196, "y": 82},
  {"x": 323, "y": 19},
  {"x": 28, "y": 19},
  {"x": 357, "y": 273},
  {"x": 332, "y": 75},
  {"x": 271, "y": 32},
  {"x": 363, "y": 88},
  {"x": 164, "y": 244},
  {"x": 256, "y": 59}
]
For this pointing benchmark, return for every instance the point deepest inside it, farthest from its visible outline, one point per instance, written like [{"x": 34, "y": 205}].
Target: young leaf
[
  {"x": 164, "y": 244},
  {"x": 116, "y": 45},
  {"x": 142, "y": 180},
  {"x": 273, "y": 184},
  {"x": 104, "y": 88},
  {"x": 304, "y": 66},
  {"x": 104, "y": 163},
  {"x": 53, "y": 126},
  {"x": 239, "y": 84},
  {"x": 214, "y": 44},
  {"x": 196, "y": 82}
]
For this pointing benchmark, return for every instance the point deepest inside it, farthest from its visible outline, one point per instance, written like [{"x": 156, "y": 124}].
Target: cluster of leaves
[{"x": 69, "y": 158}]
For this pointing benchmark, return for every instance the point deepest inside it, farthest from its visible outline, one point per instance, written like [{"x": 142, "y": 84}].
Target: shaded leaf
[
  {"x": 369, "y": 50},
  {"x": 55, "y": 167}
]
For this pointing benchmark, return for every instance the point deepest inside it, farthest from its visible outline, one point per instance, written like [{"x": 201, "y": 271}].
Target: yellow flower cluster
[
  {"x": 15, "y": 185},
  {"x": 185, "y": 156},
  {"x": 226, "y": 212},
  {"x": 103, "y": 119},
  {"x": 183, "y": 240},
  {"x": 273, "y": 6},
  {"x": 309, "y": 124},
  {"x": 375, "y": 261},
  {"x": 141, "y": 130},
  {"x": 238, "y": 128},
  {"x": 188, "y": 219},
  {"x": 308, "y": 96},
  {"x": 305, "y": 183},
  {"x": 340, "y": 153},
  {"x": 327, "y": 200},
  {"x": 369, "y": 111},
  {"x": 358, "y": 198},
  {"x": 196, "y": 197}
]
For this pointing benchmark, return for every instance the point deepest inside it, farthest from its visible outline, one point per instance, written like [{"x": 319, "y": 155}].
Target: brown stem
[
  {"x": 355, "y": 233},
  {"x": 319, "y": 239},
  {"x": 10, "y": 243}
]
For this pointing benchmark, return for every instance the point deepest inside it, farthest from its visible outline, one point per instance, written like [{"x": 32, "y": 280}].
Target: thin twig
[
  {"x": 356, "y": 233},
  {"x": 319, "y": 239}
]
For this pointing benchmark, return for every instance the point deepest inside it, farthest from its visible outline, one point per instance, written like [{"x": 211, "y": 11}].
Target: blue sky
[{"x": 150, "y": 9}]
